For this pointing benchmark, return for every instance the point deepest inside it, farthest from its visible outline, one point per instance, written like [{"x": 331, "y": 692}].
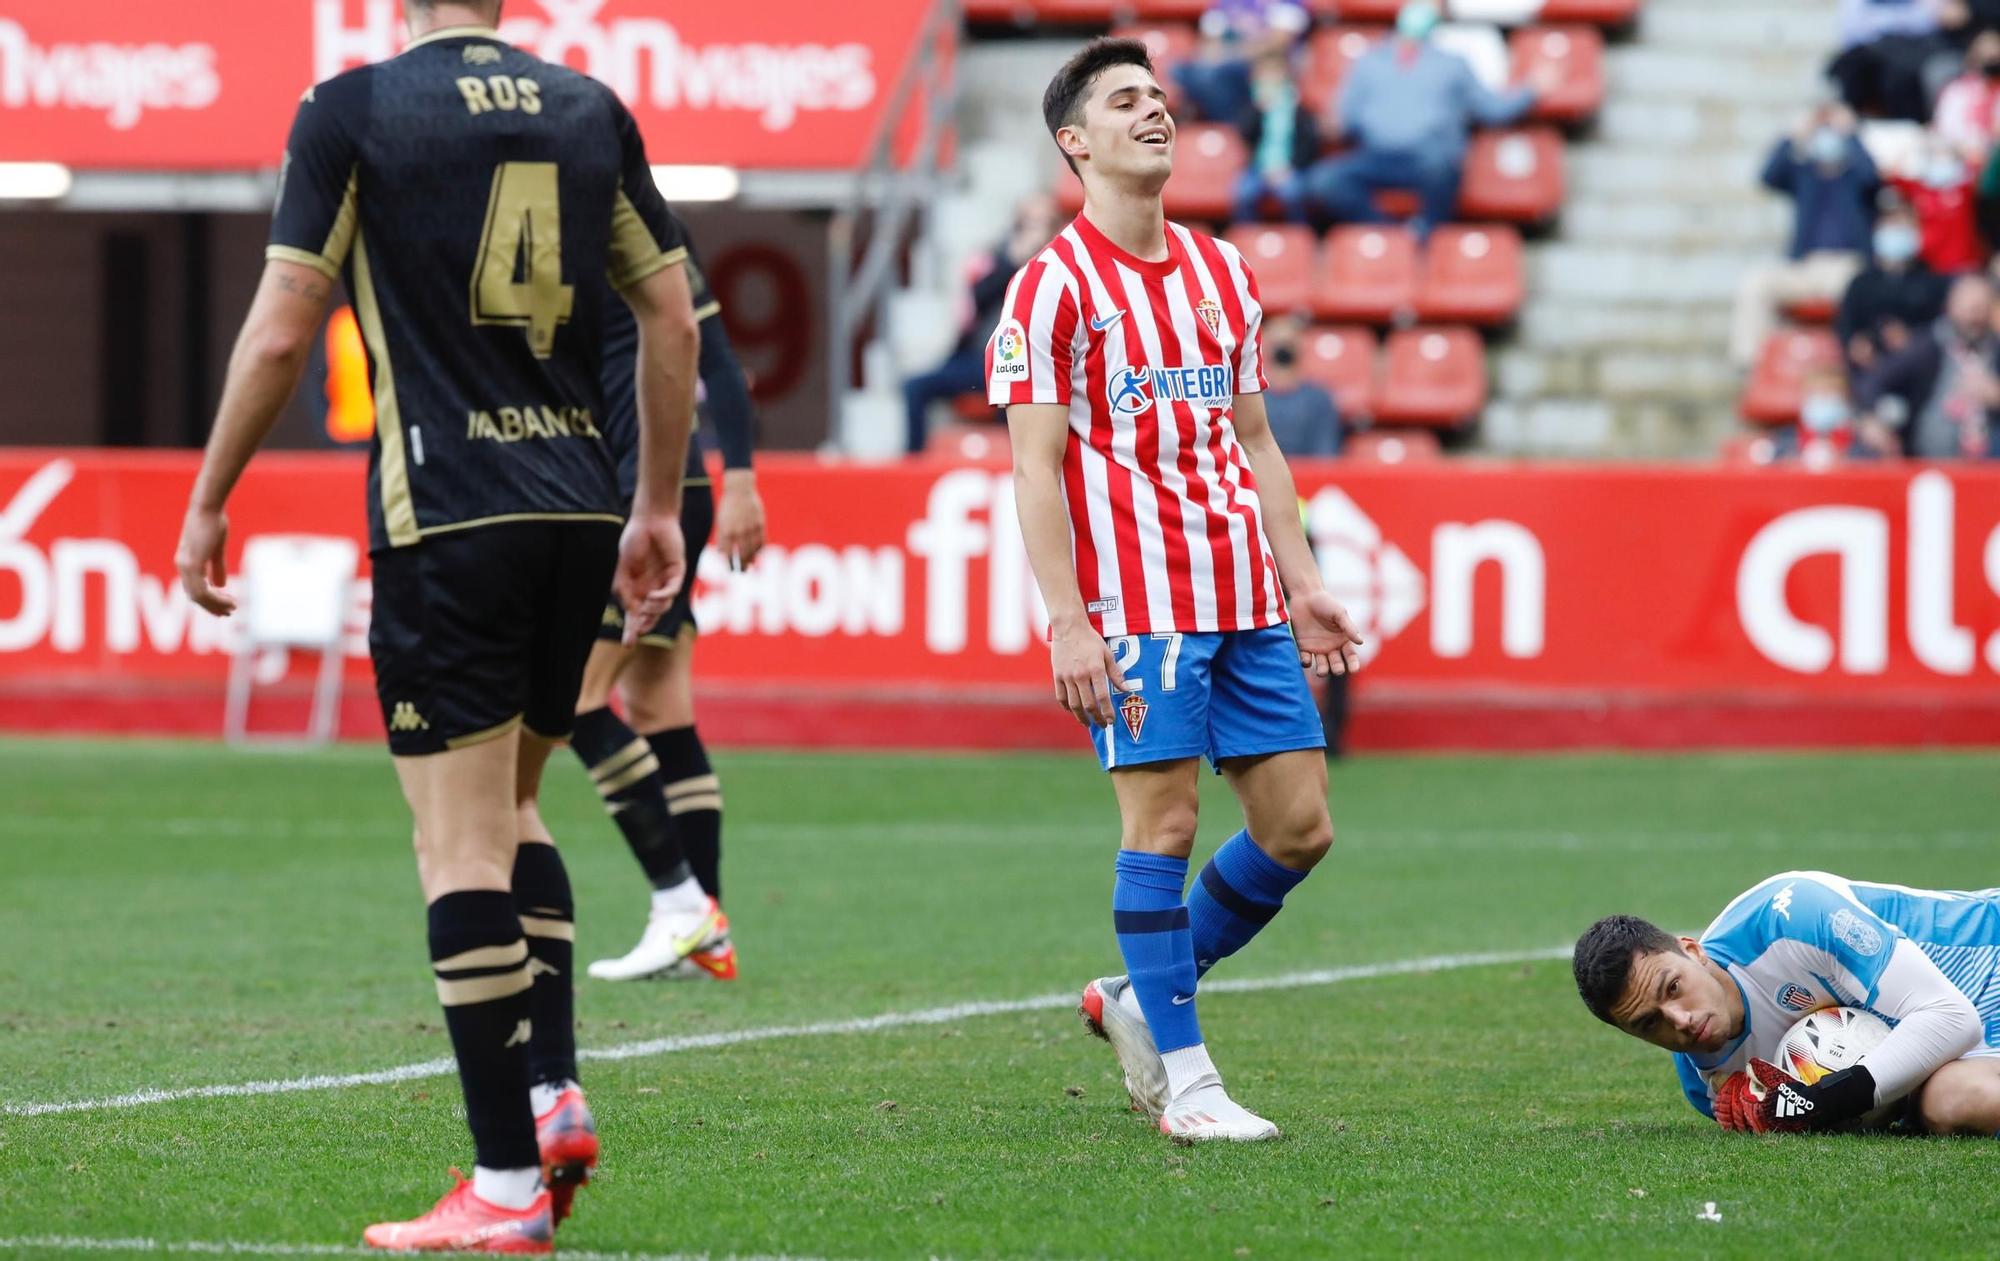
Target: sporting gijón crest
[
  {"x": 1133, "y": 710},
  {"x": 1210, "y": 312}
]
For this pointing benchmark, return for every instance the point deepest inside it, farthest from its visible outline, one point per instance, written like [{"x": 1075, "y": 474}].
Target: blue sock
[
  {"x": 1152, "y": 924},
  {"x": 1236, "y": 894}
]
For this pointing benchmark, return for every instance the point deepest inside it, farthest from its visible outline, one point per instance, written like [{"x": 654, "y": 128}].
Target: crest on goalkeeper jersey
[{"x": 1795, "y": 998}]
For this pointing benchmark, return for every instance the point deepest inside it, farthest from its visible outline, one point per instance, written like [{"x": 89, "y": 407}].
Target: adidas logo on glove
[{"x": 1791, "y": 1103}]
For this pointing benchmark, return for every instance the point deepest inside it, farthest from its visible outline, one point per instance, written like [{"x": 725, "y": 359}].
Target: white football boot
[
  {"x": 669, "y": 939},
  {"x": 1205, "y": 1113},
  {"x": 1110, "y": 1010}
]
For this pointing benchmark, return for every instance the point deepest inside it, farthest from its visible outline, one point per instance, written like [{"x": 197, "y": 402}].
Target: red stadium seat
[
  {"x": 1028, "y": 12},
  {"x": 1392, "y": 446},
  {"x": 1432, "y": 376},
  {"x": 1169, "y": 43},
  {"x": 1170, "y": 10},
  {"x": 1772, "y": 395},
  {"x": 1328, "y": 55},
  {"x": 1367, "y": 274},
  {"x": 1357, "y": 10},
  {"x": 1472, "y": 274},
  {"x": 1812, "y": 310},
  {"x": 1342, "y": 359},
  {"x": 1283, "y": 257},
  {"x": 1577, "y": 54},
  {"x": 1595, "y": 12},
  {"x": 1516, "y": 176},
  {"x": 1208, "y": 159}
]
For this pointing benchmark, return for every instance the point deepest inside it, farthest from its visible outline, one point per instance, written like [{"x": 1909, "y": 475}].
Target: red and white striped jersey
[{"x": 1165, "y": 525}]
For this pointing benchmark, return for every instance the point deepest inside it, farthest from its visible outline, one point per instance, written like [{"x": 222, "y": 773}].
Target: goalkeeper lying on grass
[{"x": 1928, "y": 962}]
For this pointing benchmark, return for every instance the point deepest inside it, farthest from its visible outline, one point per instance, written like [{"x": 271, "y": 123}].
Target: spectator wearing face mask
[
  {"x": 1935, "y": 399},
  {"x": 1968, "y": 109},
  {"x": 1234, "y": 34},
  {"x": 1304, "y": 418},
  {"x": 1408, "y": 106},
  {"x": 1831, "y": 180},
  {"x": 1283, "y": 141},
  {"x": 1896, "y": 292},
  {"x": 1941, "y": 192},
  {"x": 1826, "y": 433}
]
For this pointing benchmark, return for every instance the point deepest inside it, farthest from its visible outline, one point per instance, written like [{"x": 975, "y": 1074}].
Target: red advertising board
[
  {"x": 212, "y": 86},
  {"x": 1579, "y": 586}
]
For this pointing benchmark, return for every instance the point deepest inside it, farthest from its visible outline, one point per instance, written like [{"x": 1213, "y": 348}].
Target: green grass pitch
[{"x": 178, "y": 916}]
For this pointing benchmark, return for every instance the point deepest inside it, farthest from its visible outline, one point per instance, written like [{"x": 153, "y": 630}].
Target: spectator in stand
[
  {"x": 1036, "y": 222},
  {"x": 1968, "y": 110},
  {"x": 1941, "y": 191},
  {"x": 1408, "y": 105},
  {"x": 1936, "y": 398},
  {"x": 1825, "y": 434},
  {"x": 1282, "y": 138},
  {"x": 1831, "y": 180},
  {"x": 1234, "y": 33},
  {"x": 1304, "y": 418},
  {"x": 1883, "y": 47},
  {"x": 1896, "y": 292}
]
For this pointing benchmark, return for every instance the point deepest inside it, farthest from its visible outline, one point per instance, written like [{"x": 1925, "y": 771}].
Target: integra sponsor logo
[
  {"x": 1132, "y": 390},
  {"x": 517, "y": 424}
]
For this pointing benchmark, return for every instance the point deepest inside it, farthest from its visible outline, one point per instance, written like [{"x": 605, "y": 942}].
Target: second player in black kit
[{"x": 470, "y": 195}]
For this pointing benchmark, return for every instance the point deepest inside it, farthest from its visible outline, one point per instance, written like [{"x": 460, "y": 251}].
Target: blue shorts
[{"x": 1217, "y": 695}]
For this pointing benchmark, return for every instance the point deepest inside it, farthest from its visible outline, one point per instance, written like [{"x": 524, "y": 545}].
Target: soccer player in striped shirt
[{"x": 1163, "y": 530}]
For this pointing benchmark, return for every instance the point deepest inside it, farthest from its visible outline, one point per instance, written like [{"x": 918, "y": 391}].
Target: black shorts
[
  {"x": 697, "y": 527},
  {"x": 476, "y": 631}
]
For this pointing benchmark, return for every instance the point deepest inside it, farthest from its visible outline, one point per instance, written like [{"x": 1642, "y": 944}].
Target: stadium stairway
[{"x": 1621, "y": 346}]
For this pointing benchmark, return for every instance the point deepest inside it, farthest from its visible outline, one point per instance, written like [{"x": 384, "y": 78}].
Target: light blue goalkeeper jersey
[{"x": 1805, "y": 940}]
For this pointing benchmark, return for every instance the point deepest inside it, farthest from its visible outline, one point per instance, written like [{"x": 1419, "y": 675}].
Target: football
[{"x": 1833, "y": 1038}]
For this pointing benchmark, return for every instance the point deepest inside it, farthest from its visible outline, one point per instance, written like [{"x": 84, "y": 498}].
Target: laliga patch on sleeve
[{"x": 1010, "y": 352}]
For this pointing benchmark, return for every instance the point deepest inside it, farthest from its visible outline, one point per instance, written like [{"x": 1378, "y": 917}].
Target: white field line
[
  {"x": 248, "y": 1248},
  {"x": 769, "y": 1033}
]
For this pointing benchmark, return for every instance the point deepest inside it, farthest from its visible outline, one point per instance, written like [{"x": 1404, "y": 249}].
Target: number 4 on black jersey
[{"x": 463, "y": 190}]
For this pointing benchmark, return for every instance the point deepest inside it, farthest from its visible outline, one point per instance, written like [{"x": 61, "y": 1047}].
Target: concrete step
[
  {"x": 1679, "y": 123},
  {"x": 1617, "y": 273},
  {"x": 1574, "y": 325},
  {"x": 1678, "y": 224},
  {"x": 1623, "y": 173},
  {"x": 1733, "y": 77},
  {"x": 1592, "y": 428},
  {"x": 1763, "y": 25}
]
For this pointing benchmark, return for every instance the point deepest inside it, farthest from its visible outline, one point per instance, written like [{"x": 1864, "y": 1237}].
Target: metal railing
[{"x": 889, "y": 197}]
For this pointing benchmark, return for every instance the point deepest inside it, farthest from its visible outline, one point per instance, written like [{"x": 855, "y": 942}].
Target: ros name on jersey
[{"x": 1131, "y": 391}]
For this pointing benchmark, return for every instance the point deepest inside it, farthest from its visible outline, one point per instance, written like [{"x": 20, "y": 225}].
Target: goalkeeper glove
[{"x": 1765, "y": 1099}]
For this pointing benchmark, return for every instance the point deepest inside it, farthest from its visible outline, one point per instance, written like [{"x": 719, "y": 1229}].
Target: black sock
[
  {"x": 481, "y": 964},
  {"x": 694, "y": 799},
  {"x": 628, "y": 778},
  {"x": 548, "y": 917}
]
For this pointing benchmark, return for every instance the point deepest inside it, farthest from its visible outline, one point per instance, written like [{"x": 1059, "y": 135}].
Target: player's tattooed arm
[{"x": 264, "y": 369}]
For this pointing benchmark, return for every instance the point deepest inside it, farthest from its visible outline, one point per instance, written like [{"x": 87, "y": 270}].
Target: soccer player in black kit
[
  {"x": 465, "y": 191},
  {"x": 650, "y": 766}
]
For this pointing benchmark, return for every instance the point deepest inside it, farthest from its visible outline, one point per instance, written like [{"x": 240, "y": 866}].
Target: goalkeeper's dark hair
[
  {"x": 1062, "y": 102},
  {"x": 1603, "y": 959}
]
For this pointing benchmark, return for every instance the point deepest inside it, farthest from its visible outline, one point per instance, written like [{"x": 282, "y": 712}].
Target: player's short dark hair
[
  {"x": 1062, "y": 102},
  {"x": 1604, "y": 955}
]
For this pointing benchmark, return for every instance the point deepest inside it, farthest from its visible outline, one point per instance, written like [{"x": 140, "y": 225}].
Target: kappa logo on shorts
[
  {"x": 1133, "y": 710},
  {"x": 406, "y": 718},
  {"x": 614, "y": 617}
]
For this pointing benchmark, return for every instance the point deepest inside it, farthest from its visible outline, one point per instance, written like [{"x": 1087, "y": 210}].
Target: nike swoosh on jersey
[{"x": 1098, "y": 326}]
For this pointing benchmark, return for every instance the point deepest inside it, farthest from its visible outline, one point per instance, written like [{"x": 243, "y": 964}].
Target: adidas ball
[{"x": 1831, "y": 1039}]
